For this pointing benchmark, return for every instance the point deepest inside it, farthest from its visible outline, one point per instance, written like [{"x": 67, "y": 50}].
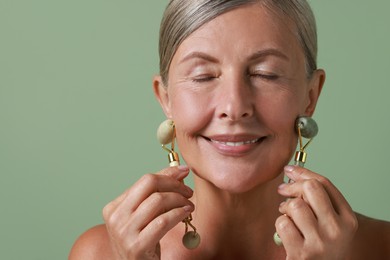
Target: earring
[
  {"x": 166, "y": 134},
  {"x": 306, "y": 127}
]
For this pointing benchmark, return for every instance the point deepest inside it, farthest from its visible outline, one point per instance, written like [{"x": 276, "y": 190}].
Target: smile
[
  {"x": 236, "y": 143},
  {"x": 235, "y": 146}
]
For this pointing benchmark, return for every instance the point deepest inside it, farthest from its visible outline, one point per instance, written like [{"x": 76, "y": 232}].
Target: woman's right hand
[{"x": 138, "y": 219}]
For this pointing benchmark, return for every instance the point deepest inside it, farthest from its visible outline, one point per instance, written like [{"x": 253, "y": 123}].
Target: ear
[
  {"x": 315, "y": 87},
  {"x": 161, "y": 93}
]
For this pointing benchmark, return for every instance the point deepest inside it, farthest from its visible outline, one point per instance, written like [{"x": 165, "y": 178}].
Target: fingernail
[
  {"x": 188, "y": 208},
  {"x": 189, "y": 190},
  {"x": 282, "y": 204},
  {"x": 282, "y": 186},
  {"x": 289, "y": 168},
  {"x": 183, "y": 168}
]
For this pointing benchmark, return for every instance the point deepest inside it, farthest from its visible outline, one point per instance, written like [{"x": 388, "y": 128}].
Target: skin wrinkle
[{"x": 207, "y": 57}]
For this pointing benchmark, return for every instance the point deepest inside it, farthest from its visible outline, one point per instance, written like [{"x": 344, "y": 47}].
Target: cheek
[
  {"x": 190, "y": 111},
  {"x": 279, "y": 111}
]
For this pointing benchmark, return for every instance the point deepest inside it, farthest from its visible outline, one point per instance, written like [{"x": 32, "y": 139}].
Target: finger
[
  {"x": 313, "y": 193},
  {"x": 288, "y": 233},
  {"x": 338, "y": 201},
  {"x": 149, "y": 183},
  {"x": 156, "y": 205},
  {"x": 152, "y": 183},
  {"x": 157, "y": 229},
  {"x": 145, "y": 242},
  {"x": 167, "y": 181},
  {"x": 175, "y": 172},
  {"x": 302, "y": 216}
]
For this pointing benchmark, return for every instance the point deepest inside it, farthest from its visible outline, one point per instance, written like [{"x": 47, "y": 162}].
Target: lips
[{"x": 234, "y": 145}]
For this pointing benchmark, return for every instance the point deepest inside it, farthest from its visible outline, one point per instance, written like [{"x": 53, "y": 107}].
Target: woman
[{"x": 234, "y": 77}]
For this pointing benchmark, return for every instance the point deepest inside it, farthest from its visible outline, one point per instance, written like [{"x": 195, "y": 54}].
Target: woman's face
[{"x": 235, "y": 88}]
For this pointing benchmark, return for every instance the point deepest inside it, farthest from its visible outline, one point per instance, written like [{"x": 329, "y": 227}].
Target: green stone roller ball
[
  {"x": 308, "y": 126},
  {"x": 165, "y": 132},
  {"x": 277, "y": 239},
  {"x": 191, "y": 240}
]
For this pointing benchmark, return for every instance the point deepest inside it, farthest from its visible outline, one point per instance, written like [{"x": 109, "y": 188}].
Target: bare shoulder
[
  {"x": 92, "y": 244},
  {"x": 372, "y": 239}
]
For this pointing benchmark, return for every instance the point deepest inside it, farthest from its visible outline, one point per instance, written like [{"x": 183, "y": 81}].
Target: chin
[{"x": 236, "y": 178}]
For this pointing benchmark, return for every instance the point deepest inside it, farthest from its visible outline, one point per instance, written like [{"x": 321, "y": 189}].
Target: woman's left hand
[{"x": 317, "y": 221}]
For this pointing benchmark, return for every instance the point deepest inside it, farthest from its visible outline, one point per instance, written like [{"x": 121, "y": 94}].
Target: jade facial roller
[
  {"x": 166, "y": 134},
  {"x": 307, "y": 128}
]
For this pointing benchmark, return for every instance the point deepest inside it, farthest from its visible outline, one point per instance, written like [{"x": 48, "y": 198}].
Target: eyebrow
[
  {"x": 268, "y": 52},
  {"x": 256, "y": 55},
  {"x": 199, "y": 55}
]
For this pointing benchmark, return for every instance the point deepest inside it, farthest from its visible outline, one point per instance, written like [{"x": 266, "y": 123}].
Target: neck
[{"x": 225, "y": 220}]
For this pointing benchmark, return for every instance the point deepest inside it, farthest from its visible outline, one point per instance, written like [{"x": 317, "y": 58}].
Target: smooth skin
[{"x": 235, "y": 88}]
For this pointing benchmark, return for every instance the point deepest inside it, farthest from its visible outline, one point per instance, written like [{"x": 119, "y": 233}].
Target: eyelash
[
  {"x": 268, "y": 77},
  {"x": 203, "y": 79},
  {"x": 264, "y": 76}
]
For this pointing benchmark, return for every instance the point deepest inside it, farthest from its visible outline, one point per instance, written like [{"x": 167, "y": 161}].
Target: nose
[{"x": 235, "y": 101}]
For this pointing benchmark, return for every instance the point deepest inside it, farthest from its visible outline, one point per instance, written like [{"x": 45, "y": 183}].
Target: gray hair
[{"x": 183, "y": 17}]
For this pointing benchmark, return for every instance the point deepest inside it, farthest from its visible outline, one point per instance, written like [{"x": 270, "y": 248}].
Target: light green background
[{"x": 78, "y": 116}]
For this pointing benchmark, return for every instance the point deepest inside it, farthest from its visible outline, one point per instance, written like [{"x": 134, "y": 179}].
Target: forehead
[{"x": 248, "y": 28}]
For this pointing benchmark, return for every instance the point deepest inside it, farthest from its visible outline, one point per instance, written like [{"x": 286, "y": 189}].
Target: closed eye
[
  {"x": 265, "y": 76},
  {"x": 203, "y": 78}
]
